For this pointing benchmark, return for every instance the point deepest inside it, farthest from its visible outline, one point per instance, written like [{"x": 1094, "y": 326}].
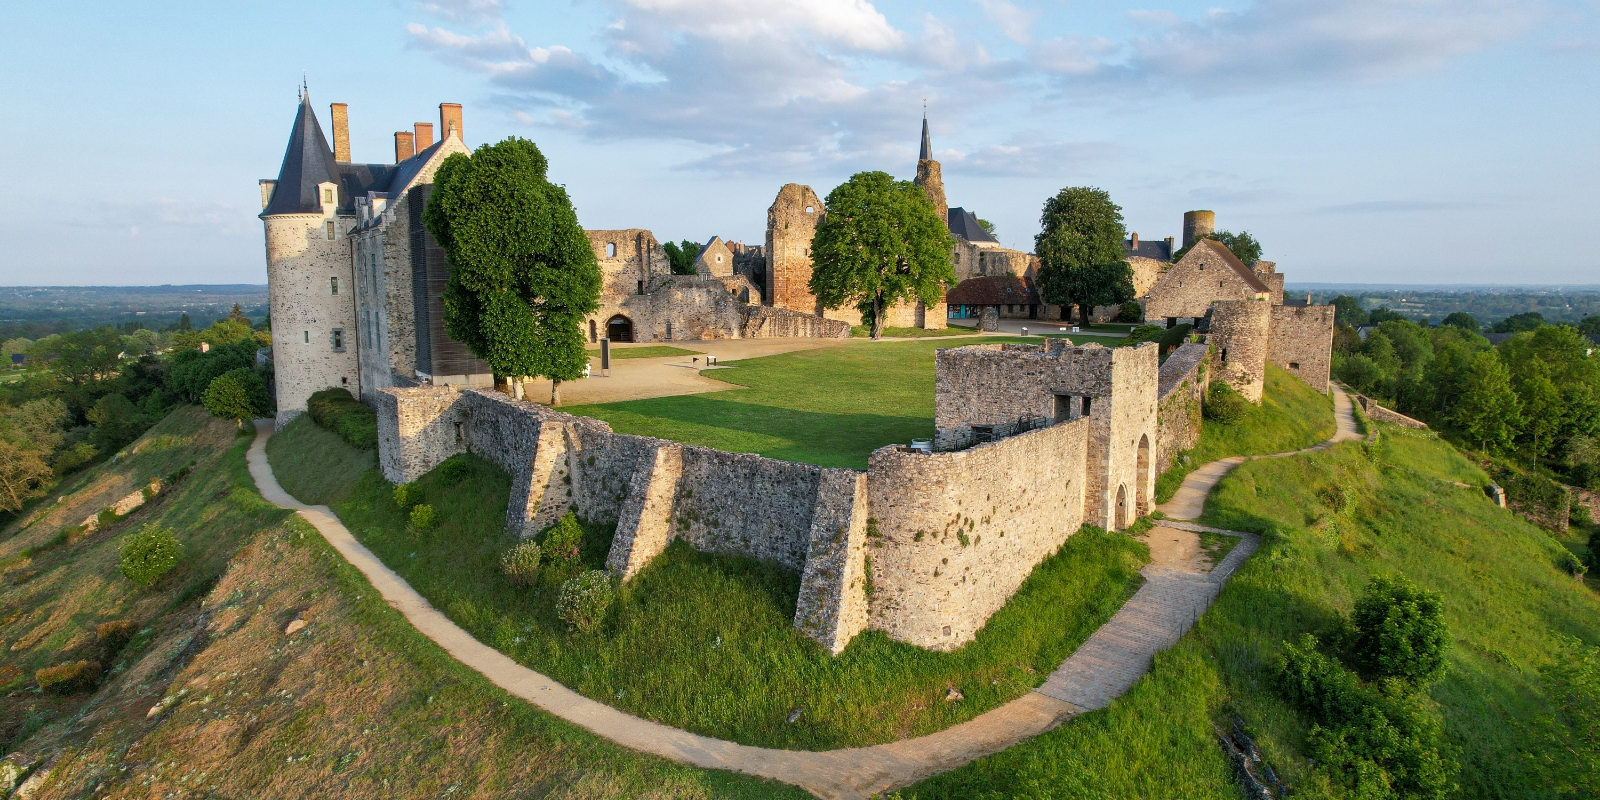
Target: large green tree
[
  {"x": 1081, "y": 258},
  {"x": 522, "y": 273},
  {"x": 880, "y": 243},
  {"x": 1489, "y": 412}
]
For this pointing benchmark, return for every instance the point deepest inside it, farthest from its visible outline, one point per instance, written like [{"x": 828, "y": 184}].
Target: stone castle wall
[
  {"x": 627, "y": 258},
  {"x": 1189, "y": 287},
  {"x": 789, "y": 230},
  {"x": 1239, "y": 343},
  {"x": 1302, "y": 343},
  {"x": 302, "y": 264},
  {"x": 764, "y": 322},
  {"x": 956, "y": 533},
  {"x": 1180, "y": 396}
]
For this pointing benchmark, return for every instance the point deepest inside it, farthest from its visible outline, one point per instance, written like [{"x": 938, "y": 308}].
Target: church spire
[{"x": 927, "y": 148}]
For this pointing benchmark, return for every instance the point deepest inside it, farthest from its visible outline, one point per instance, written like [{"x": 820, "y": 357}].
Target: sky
[{"x": 1361, "y": 141}]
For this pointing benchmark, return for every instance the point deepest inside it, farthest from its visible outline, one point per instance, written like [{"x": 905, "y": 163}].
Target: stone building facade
[
  {"x": 1208, "y": 273},
  {"x": 1301, "y": 342}
]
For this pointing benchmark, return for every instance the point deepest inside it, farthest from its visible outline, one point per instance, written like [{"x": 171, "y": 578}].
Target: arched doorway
[
  {"x": 1142, "y": 488},
  {"x": 1120, "y": 514},
  {"x": 620, "y": 329},
  {"x": 594, "y": 336}
]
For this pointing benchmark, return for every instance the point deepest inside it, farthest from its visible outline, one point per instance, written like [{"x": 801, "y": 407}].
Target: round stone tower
[{"x": 1196, "y": 224}]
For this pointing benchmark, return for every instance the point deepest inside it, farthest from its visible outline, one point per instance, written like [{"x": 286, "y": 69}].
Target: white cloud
[
  {"x": 1028, "y": 157},
  {"x": 1016, "y": 23},
  {"x": 464, "y": 9}
]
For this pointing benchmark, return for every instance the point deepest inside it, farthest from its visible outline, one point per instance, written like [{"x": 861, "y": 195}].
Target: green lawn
[
  {"x": 1332, "y": 520},
  {"x": 831, "y": 407},
  {"x": 1291, "y": 416},
  {"x": 864, "y": 331},
  {"x": 648, "y": 351},
  {"x": 707, "y": 643}
]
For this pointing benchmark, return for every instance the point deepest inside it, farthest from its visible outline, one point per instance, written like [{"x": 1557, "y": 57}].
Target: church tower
[{"x": 928, "y": 176}]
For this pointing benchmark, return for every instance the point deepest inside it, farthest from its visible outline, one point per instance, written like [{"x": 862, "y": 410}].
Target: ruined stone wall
[
  {"x": 1239, "y": 339},
  {"x": 765, "y": 322},
  {"x": 1302, "y": 343},
  {"x": 1189, "y": 287},
  {"x": 1008, "y": 387},
  {"x": 695, "y": 307},
  {"x": 1179, "y": 397},
  {"x": 627, "y": 258},
  {"x": 790, "y": 226},
  {"x": 956, "y": 533},
  {"x": 1146, "y": 271},
  {"x": 930, "y": 177},
  {"x": 308, "y": 318},
  {"x": 971, "y": 260},
  {"x": 1378, "y": 413},
  {"x": 914, "y": 314},
  {"x": 417, "y": 429}
]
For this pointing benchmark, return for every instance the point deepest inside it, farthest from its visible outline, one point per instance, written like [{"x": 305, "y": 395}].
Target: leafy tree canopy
[
  {"x": 1348, "y": 310},
  {"x": 1462, "y": 320},
  {"x": 881, "y": 242},
  {"x": 986, "y": 225},
  {"x": 1589, "y": 325},
  {"x": 522, "y": 273},
  {"x": 682, "y": 256},
  {"x": 1517, "y": 323},
  {"x": 1081, "y": 252},
  {"x": 1241, "y": 244},
  {"x": 238, "y": 395}
]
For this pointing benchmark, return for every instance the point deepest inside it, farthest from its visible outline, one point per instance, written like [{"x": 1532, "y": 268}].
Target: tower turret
[{"x": 928, "y": 174}]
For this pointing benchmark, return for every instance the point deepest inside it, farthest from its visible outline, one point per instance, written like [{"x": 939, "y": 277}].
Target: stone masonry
[
  {"x": 1239, "y": 344},
  {"x": 1302, "y": 343},
  {"x": 1180, "y": 397},
  {"x": 1208, "y": 273},
  {"x": 791, "y": 222}
]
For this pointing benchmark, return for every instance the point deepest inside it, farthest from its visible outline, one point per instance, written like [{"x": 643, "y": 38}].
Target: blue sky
[{"x": 1436, "y": 141}]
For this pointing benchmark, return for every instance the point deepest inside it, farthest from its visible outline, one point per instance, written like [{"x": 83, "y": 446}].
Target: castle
[{"x": 1033, "y": 440}]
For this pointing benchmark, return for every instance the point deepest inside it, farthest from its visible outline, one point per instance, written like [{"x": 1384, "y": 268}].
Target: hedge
[{"x": 337, "y": 411}]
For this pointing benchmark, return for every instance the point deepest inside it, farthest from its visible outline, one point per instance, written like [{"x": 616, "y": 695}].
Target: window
[
  {"x": 1224, "y": 355},
  {"x": 327, "y": 195},
  {"x": 333, "y": 285},
  {"x": 1294, "y": 365},
  {"x": 338, "y": 340},
  {"x": 307, "y": 335},
  {"x": 719, "y": 259},
  {"x": 641, "y": 287},
  {"x": 344, "y": 381},
  {"x": 1063, "y": 410},
  {"x": 611, "y": 249},
  {"x": 1086, "y": 406},
  {"x": 669, "y": 331},
  {"x": 810, "y": 210},
  {"x": 330, "y": 229}
]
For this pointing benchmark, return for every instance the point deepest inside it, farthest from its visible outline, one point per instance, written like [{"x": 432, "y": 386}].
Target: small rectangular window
[
  {"x": 1086, "y": 406},
  {"x": 983, "y": 433},
  {"x": 1063, "y": 409},
  {"x": 338, "y": 340},
  {"x": 330, "y": 230},
  {"x": 327, "y": 195},
  {"x": 1294, "y": 365},
  {"x": 1224, "y": 355},
  {"x": 333, "y": 285},
  {"x": 307, "y": 335}
]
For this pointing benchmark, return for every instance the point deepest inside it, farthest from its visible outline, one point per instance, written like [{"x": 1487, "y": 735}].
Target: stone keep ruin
[{"x": 1033, "y": 441}]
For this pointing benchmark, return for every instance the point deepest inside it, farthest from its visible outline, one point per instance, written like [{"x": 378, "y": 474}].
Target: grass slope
[
  {"x": 1330, "y": 520},
  {"x": 315, "y": 464},
  {"x": 706, "y": 642},
  {"x": 831, "y": 407},
  {"x": 355, "y": 705},
  {"x": 1291, "y": 416}
]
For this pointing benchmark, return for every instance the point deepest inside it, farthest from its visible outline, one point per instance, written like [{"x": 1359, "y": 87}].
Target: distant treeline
[
  {"x": 1486, "y": 306},
  {"x": 35, "y": 312}
]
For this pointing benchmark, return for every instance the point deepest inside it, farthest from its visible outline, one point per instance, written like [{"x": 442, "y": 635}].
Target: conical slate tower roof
[
  {"x": 927, "y": 148},
  {"x": 307, "y": 162}
]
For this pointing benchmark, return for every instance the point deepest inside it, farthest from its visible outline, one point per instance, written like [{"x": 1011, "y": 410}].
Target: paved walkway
[
  {"x": 1190, "y": 499},
  {"x": 1102, "y": 669}
]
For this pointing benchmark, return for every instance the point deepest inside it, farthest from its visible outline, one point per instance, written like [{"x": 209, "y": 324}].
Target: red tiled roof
[{"x": 994, "y": 290}]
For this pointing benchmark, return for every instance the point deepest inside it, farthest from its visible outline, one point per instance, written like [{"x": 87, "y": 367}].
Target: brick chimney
[
  {"x": 1170, "y": 249},
  {"x": 1134, "y": 246},
  {"x": 450, "y": 119},
  {"x": 405, "y": 145},
  {"x": 341, "y": 132},
  {"x": 424, "y": 135}
]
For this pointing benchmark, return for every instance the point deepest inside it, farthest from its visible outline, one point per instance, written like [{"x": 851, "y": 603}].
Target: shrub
[
  {"x": 452, "y": 471},
  {"x": 237, "y": 394},
  {"x": 563, "y": 543},
  {"x": 1174, "y": 336},
  {"x": 520, "y": 564},
  {"x": 407, "y": 495},
  {"x": 69, "y": 678},
  {"x": 335, "y": 410},
  {"x": 149, "y": 553},
  {"x": 1400, "y": 632},
  {"x": 113, "y": 636},
  {"x": 1316, "y": 683},
  {"x": 1129, "y": 312},
  {"x": 584, "y": 600},
  {"x": 1145, "y": 333},
  {"x": 1224, "y": 405},
  {"x": 421, "y": 517}
]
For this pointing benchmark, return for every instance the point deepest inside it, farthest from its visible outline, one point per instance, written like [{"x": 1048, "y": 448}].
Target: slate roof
[
  {"x": 1157, "y": 249},
  {"x": 1221, "y": 251},
  {"x": 307, "y": 162},
  {"x": 927, "y": 148},
  {"x": 964, "y": 224},
  {"x": 993, "y": 290}
]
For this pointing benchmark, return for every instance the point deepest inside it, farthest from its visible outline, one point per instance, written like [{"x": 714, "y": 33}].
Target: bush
[
  {"x": 563, "y": 543},
  {"x": 1174, "y": 336},
  {"x": 584, "y": 600},
  {"x": 520, "y": 564},
  {"x": 407, "y": 495},
  {"x": 1224, "y": 405},
  {"x": 149, "y": 553},
  {"x": 1400, "y": 632},
  {"x": 238, "y": 395},
  {"x": 69, "y": 678},
  {"x": 113, "y": 636},
  {"x": 1130, "y": 312},
  {"x": 452, "y": 471},
  {"x": 1145, "y": 333},
  {"x": 421, "y": 517},
  {"x": 335, "y": 410}
]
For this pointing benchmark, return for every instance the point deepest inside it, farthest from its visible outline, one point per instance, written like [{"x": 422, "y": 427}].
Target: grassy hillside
[
  {"x": 354, "y": 705},
  {"x": 706, "y": 642},
  {"x": 1291, "y": 416},
  {"x": 1330, "y": 520}
]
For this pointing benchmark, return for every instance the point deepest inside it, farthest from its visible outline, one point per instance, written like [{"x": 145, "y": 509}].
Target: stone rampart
[
  {"x": 1239, "y": 333},
  {"x": 763, "y": 322},
  {"x": 1302, "y": 343},
  {"x": 1179, "y": 396},
  {"x": 1380, "y": 414},
  {"x": 956, "y": 533}
]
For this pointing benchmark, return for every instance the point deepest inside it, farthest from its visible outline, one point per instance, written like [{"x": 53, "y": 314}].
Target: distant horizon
[{"x": 1309, "y": 285}]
